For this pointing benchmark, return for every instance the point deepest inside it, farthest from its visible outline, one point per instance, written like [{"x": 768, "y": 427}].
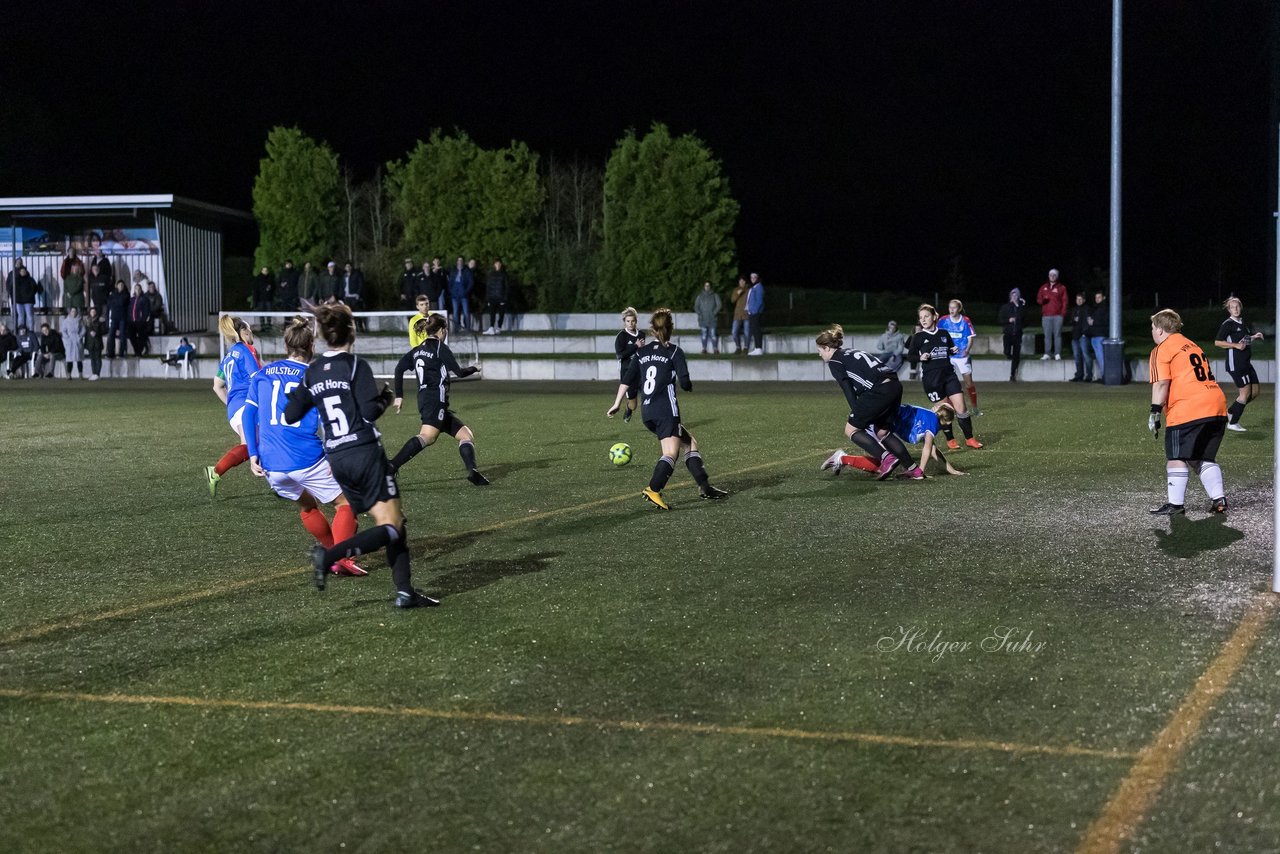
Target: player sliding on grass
[
  {"x": 874, "y": 393},
  {"x": 341, "y": 387},
  {"x": 1184, "y": 387},
  {"x": 655, "y": 369},
  {"x": 231, "y": 385},
  {"x": 288, "y": 454},
  {"x": 431, "y": 362},
  {"x": 934, "y": 347},
  {"x": 913, "y": 424}
]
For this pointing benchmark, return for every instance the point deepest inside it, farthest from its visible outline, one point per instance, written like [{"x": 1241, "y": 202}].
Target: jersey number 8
[{"x": 650, "y": 379}]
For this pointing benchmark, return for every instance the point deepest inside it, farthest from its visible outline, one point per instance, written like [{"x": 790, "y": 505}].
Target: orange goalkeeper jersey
[{"x": 1193, "y": 392}]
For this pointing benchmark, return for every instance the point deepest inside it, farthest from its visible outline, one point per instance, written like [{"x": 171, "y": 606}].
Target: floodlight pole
[
  {"x": 1275, "y": 449},
  {"x": 1113, "y": 347}
]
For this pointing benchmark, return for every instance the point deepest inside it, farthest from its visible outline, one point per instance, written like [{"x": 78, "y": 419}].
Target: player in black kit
[
  {"x": 1235, "y": 336},
  {"x": 431, "y": 362},
  {"x": 625, "y": 346},
  {"x": 874, "y": 394},
  {"x": 342, "y": 388},
  {"x": 655, "y": 369},
  {"x": 934, "y": 348}
]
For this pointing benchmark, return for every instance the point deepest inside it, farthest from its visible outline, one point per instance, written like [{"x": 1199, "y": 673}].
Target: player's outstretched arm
[{"x": 617, "y": 401}]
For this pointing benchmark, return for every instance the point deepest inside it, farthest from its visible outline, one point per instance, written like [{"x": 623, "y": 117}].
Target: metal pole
[
  {"x": 1275, "y": 450},
  {"x": 1113, "y": 347}
]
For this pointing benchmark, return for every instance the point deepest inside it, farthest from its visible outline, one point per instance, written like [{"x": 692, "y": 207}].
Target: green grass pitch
[{"x": 603, "y": 676}]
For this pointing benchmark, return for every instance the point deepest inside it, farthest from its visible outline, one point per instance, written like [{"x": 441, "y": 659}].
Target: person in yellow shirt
[
  {"x": 424, "y": 310},
  {"x": 1184, "y": 388}
]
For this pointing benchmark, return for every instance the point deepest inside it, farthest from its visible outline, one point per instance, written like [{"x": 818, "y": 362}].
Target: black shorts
[
  {"x": 362, "y": 473},
  {"x": 443, "y": 420},
  {"x": 942, "y": 388},
  {"x": 665, "y": 428},
  {"x": 632, "y": 391},
  {"x": 1247, "y": 375},
  {"x": 877, "y": 405},
  {"x": 1196, "y": 441}
]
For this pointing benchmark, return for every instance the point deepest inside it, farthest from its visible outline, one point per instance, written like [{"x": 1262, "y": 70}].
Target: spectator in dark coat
[
  {"x": 330, "y": 282},
  {"x": 408, "y": 284},
  {"x": 496, "y": 292},
  {"x": 159, "y": 322},
  {"x": 438, "y": 285},
  {"x": 117, "y": 318},
  {"x": 140, "y": 322},
  {"x": 100, "y": 285},
  {"x": 264, "y": 287},
  {"x": 461, "y": 283},
  {"x": 1010, "y": 320},
  {"x": 95, "y": 334},
  {"x": 24, "y": 297},
  {"x": 287, "y": 288},
  {"x": 104, "y": 267},
  {"x": 309, "y": 284},
  {"x": 8, "y": 343},
  {"x": 351, "y": 286},
  {"x": 1080, "y": 348},
  {"x": 51, "y": 351}
]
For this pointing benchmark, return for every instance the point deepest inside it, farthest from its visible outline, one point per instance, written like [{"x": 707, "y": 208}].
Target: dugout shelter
[{"x": 173, "y": 241}]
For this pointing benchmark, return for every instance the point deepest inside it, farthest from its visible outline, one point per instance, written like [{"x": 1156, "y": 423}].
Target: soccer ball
[{"x": 620, "y": 454}]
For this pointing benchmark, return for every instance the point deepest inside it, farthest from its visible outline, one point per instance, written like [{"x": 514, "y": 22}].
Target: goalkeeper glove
[{"x": 1153, "y": 420}]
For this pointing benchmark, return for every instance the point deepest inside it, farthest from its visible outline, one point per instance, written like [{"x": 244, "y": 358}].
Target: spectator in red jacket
[{"x": 1053, "y": 307}]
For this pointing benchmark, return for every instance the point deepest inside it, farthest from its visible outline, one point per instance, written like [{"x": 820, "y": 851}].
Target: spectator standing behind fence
[
  {"x": 409, "y": 283},
  {"x": 74, "y": 289},
  {"x": 755, "y": 314},
  {"x": 890, "y": 346},
  {"x": 741, "y": 334},
  {"x": 707, "y": 307},
  {"x": 24, "y": 297},
  {"x": 438, "y": 285},
  {"x": 329, "y": 284},
  {"x": 497, "y": 290},
  {"x": 94, "y": 333},
  {"x": 287, "y": 287},
  {"x": 461, "y": 282},
  {"x": 308, "y": 283},
  {"x": 139, "y": 322},
  {"x": 68, "y": 264},
  {"x": 1010, "y": 320},
  {"x": 99, "y": 285},
  {"x": 352, "y": 287},
  {"x": 1080, "y": 348},
  {"x": 1098, "y": 330},
  {"x": 1052, "y": 298},
  {"x": 97, "y": 259},
  {"x": 158, "y": 321},
  {"x": 117, "y": 312},
  {"x": 264, "y": 286},
  {"x": 72, "y": 341}
]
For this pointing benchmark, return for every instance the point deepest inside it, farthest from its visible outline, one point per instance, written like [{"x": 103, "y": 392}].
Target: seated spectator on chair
[
  {"x": 184, "y": 350},
  {"x": 28, "y": 346},
  {"x": 891, "y": 346},
  {"x": 51, "y": 351},
  {"x": 8, "y": 343}
]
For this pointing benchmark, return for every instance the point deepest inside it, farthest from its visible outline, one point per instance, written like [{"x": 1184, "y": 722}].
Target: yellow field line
[
  {"x": 186, "y": 598},
  {"x": 572, "y": 721},
  {"x": 1138, "y": 791}
]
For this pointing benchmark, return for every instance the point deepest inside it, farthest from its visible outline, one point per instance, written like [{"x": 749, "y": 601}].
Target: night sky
[{"x": 868, "y": 143}]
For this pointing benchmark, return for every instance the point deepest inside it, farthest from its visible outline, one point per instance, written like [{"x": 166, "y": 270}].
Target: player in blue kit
[
  {"x": 289, "y": 455},
  {"x": 655, "y": 369},
  {"x": 431, "y": 362},
  {"x": 913, "y": 425},
  {"x": 961, "y": 329},
  {"x": 231, "y": 385}
]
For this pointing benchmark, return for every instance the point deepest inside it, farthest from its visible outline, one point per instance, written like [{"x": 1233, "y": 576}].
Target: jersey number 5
[{"x": 338, "y": 425}]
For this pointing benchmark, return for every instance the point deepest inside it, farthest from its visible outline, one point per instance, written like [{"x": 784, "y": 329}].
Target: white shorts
[
  {"x": 237, "y": 422},
  {"x": 318, "y": 480},
  {"x": 962, "y": 365}
]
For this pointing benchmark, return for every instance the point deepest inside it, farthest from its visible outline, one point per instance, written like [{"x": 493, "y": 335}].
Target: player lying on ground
[
  {"x": 914, "y": 424},
  {"x": 874, "y": 394},
  {"x": 432, "y": 361},
  {"x": 289, "y": 455},
  {"x": 231, "y": 385},
  {"x": 341, "y": 386},
  {"x": 655, "y": 369}
]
